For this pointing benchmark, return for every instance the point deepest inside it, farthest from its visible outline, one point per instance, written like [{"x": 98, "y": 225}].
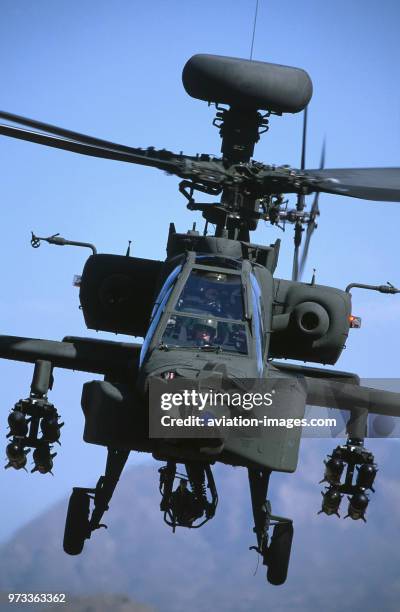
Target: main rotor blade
[
  {"x": 323, "y": 154},
  {"x": 314, "y": 213},
  {"x": 210, "y": 172},
  {"x": 64, "y": 133},
  {"x": 382, "y": 184},
  {"x": 310, "y": 230},
  {"x": 301, "y": 200},
  {"x": 144, "y": 157}
]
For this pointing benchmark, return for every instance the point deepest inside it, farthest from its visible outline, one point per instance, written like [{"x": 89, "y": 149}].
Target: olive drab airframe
[{"x": 212, "y": 313}]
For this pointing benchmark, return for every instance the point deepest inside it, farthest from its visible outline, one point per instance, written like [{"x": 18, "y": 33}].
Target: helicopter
[{"x": 212, "y": 314}]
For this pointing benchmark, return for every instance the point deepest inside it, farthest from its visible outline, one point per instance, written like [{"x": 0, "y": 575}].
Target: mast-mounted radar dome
[{"x": 247, "y": 84}]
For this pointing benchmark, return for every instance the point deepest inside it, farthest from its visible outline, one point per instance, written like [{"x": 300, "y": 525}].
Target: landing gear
[
  {"x": 276, "y": 555},
  {"x": 78, "y": 525},
  {"x": 77, "y": 522},
  {"x": 279, "y": 553}
]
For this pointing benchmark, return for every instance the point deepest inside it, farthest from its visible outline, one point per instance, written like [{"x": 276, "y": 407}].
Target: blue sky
[{"x": 113, "y": 70}]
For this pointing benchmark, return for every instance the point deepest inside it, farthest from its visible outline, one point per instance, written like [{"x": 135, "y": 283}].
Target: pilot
[
  {"x": 204, "y": 331},
  {"x": 212, "y": 302},
  {"x": 211, "y": 292}
]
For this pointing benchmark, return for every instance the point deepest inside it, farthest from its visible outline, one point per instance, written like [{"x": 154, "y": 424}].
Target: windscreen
[
  {"x": 205, "y": 332},
  {"x": 212, "y": 293}
]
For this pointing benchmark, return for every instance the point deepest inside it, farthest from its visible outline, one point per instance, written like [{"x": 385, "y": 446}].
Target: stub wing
[{"x": 352, "y": 397}]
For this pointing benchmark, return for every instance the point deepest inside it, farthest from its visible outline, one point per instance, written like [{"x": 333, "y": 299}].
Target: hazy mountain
[
  {"x": 335, "y": 563},
  {"x": 102, "y": 603},
  {"x": 93, "y": 603}
]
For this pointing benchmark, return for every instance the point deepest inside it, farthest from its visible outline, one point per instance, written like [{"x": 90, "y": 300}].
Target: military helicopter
[{"x": 212, "y": 312}]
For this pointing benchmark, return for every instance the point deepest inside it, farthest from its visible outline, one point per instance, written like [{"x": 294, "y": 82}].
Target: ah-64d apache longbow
[{"x": 212, "y": 309}]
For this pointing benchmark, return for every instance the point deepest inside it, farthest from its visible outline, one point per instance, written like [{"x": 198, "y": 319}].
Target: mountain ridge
[{"x": 211, "y": 568}]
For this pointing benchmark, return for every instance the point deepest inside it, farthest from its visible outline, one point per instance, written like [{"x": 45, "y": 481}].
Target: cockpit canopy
[
  {"x": 203, "y": 305},
  {"x": 208, "y": 313}
]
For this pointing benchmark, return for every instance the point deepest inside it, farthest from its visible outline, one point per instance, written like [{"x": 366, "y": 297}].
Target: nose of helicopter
[
  {"x": 204, "y": 363},
  {"x": 181, "y": 425}
]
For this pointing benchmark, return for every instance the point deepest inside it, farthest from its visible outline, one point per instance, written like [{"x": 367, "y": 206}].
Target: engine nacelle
[
  {"x": 310, "y": 322},
  {"x": 117, "y": 293}
]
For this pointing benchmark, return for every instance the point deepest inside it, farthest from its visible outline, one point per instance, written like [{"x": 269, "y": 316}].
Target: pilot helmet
[{"x": 208, "y": 324}]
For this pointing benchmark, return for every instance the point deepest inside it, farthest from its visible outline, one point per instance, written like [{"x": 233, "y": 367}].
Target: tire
[
  {"x": 77, "y": 522},
  {"x": 279, "y": 553}
]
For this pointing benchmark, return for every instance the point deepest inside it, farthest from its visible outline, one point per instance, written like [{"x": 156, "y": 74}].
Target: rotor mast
[{"x": 240, "y": 130}]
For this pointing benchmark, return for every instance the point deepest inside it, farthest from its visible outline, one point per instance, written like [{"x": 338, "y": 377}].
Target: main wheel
[
  {"x": 77, "y": 522},
  {"x": 279, "y": 553}
]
